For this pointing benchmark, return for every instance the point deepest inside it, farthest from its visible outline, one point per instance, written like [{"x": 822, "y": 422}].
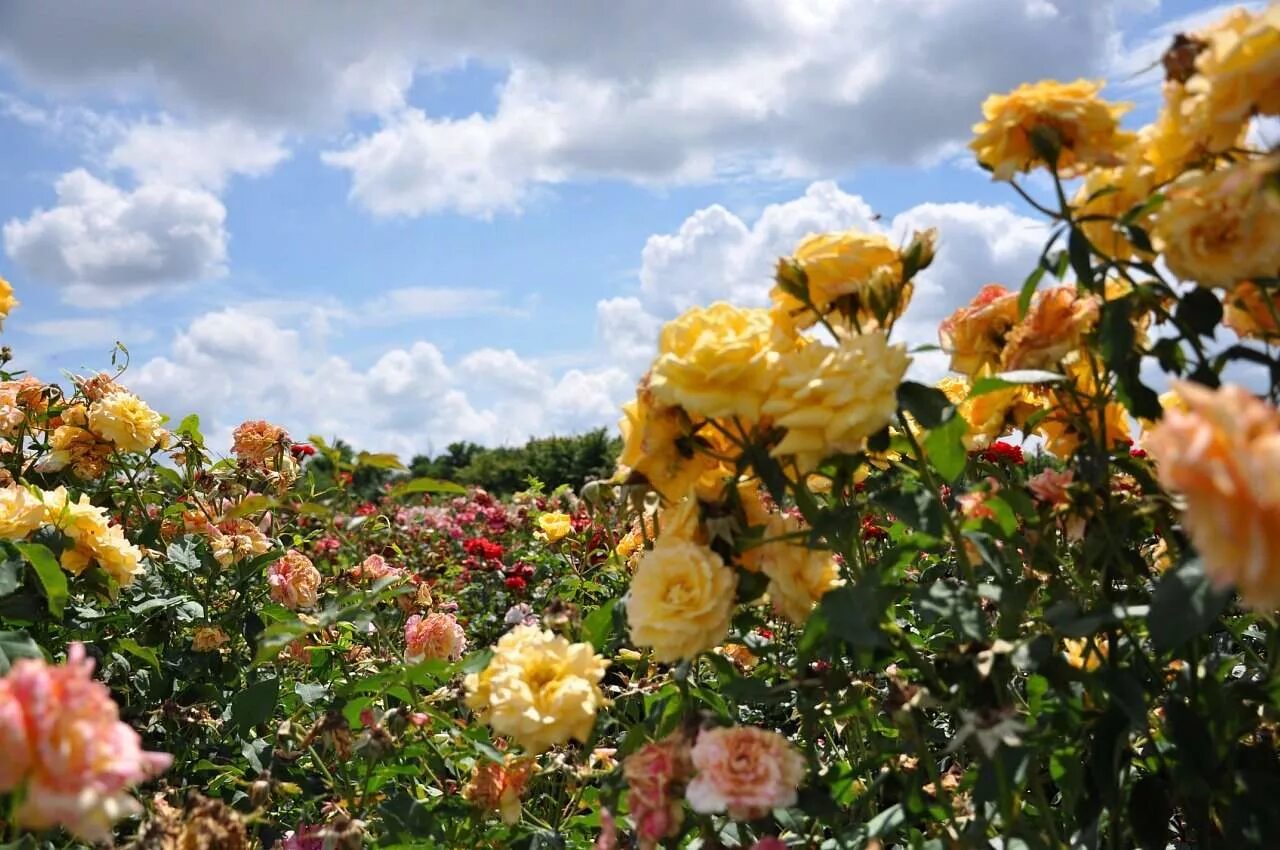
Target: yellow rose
[
  {"x": 859, "y": 274},
  {"x": 1084, "y": 126},
  {"x": 20, "y": 512},
  {"x": 93, "y": 538},
  {"x": 1053, "y": 329},
  {"x": 660, "y": 443},
  {"x": 1222, "y": 454},
  {"x": 681, "y": 598},
  {"x": 1224, "y": 226},
  {"x": 974, "y": 335},
  {"x": 799, "y": 576},
  {"x": 7, "y": 301},
  {"x": 1062, "y": 428},
  {"x": 555, "y": 525},
  {"x": 714, "y": 362},
  {"x": 1110, "y": 193},
  {"x": 831, "y": 398},
  {"x": 1252, "y": 312},
  {"x": 539, "y": 689},
  {"x": 126, "y": 421},
  {"x": 990, "y": 415}
]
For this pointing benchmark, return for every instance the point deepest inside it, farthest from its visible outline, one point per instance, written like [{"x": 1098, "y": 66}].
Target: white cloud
[
  {"x": 433, "y": 302},
  {"x": 715, "y": 255},
  {"x": 234, "y": 364},
  {"x": 663, "y": 92},
  {"x": 201, "y": 156},
  {"x": 105, "y": 244}
]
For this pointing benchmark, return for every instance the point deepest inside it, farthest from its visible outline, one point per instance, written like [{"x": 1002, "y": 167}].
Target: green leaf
[
  {"x": 425, "y": 485},
  {"x": 139, "y": 651},
  {"x": 255, "y": 704},
  {"x": 190, "y": 427},
  {"x": 854, "y": 612},
  {"x": 52, "y": 578},
  {"x": 15, "y": 645},
  {"x": 596, "y": 625},
  {"x": 1200, "y": 310},
  {"x": 887, "y": 822},
  {"x": 944, "y": 446},
  {"x": 1029, "y": 289},
  {"x": 379, "y": 460},
  {"x": 1183, "y": 605},
  {"x": 11, "y": 572},
  {"x": 252, "y": 505},
  {"x": 927, "y": 404},
  {"x": 1081, "y": 258}
]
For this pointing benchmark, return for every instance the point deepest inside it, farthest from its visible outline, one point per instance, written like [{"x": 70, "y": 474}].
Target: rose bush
[{"x": 820, "y": 605}]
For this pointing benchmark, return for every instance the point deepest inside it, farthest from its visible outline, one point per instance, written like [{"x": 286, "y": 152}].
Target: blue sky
[{"x": 465, "y": 221}]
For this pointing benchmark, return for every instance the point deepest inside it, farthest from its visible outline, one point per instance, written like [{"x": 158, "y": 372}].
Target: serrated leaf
[
  {"x": 596, "y": 625},
  {"x": 52, "y": 579}
]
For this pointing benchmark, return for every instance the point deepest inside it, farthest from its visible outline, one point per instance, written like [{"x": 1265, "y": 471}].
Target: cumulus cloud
[
  {"x": 715, "y": 254},
  {"x": 204, "y": 156},
  {"x": 662, "y": 92},
  {"x": 237, "y": 363},
  {"x": 105, "y": 244}
]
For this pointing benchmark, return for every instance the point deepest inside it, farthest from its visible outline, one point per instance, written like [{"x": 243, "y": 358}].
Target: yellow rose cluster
[
  {"x": 539, "y": 689},
  {"x": 92, "y": 537},
  {"x": 812, "y": 376}
]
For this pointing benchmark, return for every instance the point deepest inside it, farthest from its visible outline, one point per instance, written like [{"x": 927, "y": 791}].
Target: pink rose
[
  {"x": 435, "y": 636},
  {"x": 294, "y": 581},
  {"x": 63, "y": 742},
  {"x": 745, "y": 771},
  {"x": 1051, "y": 486}
]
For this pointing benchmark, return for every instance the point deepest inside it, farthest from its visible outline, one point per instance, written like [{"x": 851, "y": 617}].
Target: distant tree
[{"x": 555, "y": 461}]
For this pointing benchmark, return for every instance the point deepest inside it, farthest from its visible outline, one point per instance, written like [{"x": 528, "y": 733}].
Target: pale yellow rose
[
  {"x": 714, "y": 362},
  {"x": 1084, "y": 125},
  {"x": 681, "y": 598},
  {"x": 831, "y": 398},
  {"x": 73, "y": 445},
  {"x": 127, "y": 421},
  {"x": 799, "y": 575},
  {"x": 539, "y": 689},
  {"x": 1223, "y": 227},
  {"x": 1238, "y": 74},
  {"x": 1111, "y": 193},
  {"x": 92, "y": 536},
  {"x": 21, "y": 512},
  {"x": 1222, "y": 455},
  {"x": 1085, "y": 654}
]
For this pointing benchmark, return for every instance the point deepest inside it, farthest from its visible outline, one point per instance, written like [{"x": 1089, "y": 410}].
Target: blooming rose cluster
[
  {"x": 436, "y": 636},
  {"x": 294, "y": 581}
]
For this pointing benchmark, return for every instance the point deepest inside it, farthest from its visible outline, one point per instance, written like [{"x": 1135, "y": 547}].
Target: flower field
[{"x": 819, "y": 605}]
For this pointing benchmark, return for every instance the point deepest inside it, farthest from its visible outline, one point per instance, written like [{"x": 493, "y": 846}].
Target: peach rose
[
  {"x": 294, "y": 581},
  {"x": 435, "y": 636},
  {"x": 745, "y": 771},
  {"x": 1223, "y": 455},
  {"x": 65, "y": 745},
  {"x": 974, "y": 335}
]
